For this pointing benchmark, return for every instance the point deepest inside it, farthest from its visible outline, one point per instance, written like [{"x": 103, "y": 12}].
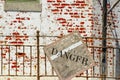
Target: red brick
[
  {"x": 14, "y": 62},
  {"x": 63, "y": 22},
  {"x": 87, "y": 10},
  {"x": 55, "y": 10},
  {"x": 50, "y": 0},
  {"x": 69, "y": 30},
  {"x": 75, "y": 16},
  {"x": 20, "y": 43},
  {"x": 69, "y": 25},
  {"x": 83, "y": 17},
  {"x": 91, "y": 8},
  {"x": 66, "y": 13},
  {"x": 8, "y": 38},
  {"x": 75, "y": 4},
  {"x": 64, "y": 5},
  {"x": 82, "y": 22},
  {"x": 76, "y": 28},
  {"x": 0, "y": 16},
  {"x": 84, "y": 5},
  {"x": 82, "y": 29},
  {"x": 28, "y": 18},
  {"x": 22, "y": 18},
  {"x": 59, "y": 0},
  {"x": 56, "y": 4},
  {"x": 69, "y": 7},
  {"x": 19, "y": 21},
  {"x": 92, "y": 22},
  {"x": 18, "y": 18},
  {"x": 3, "y": 55},
  {"x": 59, "y": 7},
  {"x": 14, "y": 66},
  {"x": 19, "y": 54},
  {"x": 71, "y": 13},
  {"x": 90, "y": 14},
  {"x": 15, "y": 33},
  {"x": 61, "y": 19},
  {"x": 80, "y": 1},
  {"x": 15, "y": 21},
  {"x": 90, "y": 19},
  {"x": 13, "y": 42},
  {"x": 85, "y": 35}
]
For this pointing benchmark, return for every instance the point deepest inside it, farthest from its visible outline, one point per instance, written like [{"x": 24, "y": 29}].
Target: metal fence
[
  {"x": 20, "y": 60},
  {"x": 16, "y": 59},
  {"x": 31, "y": 61}
]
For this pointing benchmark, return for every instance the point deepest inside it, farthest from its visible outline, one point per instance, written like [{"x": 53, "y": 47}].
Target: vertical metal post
[
  {"x": 1, "y": 60},
  {"x": 104, "y": 34},
  {"x": 30, "y": 60},
  {"x": 16, "y": 59},
  {"x": 38, "y": 56},
  {"x": 23, "y": 61},
  {"x": 9, "y": 62}
]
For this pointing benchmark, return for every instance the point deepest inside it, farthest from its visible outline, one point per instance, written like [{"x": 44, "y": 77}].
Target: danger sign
[{"x": 69, "y": 56}]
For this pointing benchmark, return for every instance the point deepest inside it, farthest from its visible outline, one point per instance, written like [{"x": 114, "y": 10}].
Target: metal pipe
[
  {"x": 38, "y": 56},
  {"x": 104, "y": 34}
]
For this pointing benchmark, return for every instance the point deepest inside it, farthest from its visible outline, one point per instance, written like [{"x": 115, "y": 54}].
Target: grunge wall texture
[{"x": 58, "y": 18}]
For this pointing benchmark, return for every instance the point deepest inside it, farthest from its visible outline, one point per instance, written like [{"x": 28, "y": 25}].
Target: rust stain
[
  {"x": 14, "y": 66},
  {"x": 8, "y": 79},
  {"x": 20, "y": 54},
  {"x": 3, "y": 55},
  {"x": 60, "y": 36}
]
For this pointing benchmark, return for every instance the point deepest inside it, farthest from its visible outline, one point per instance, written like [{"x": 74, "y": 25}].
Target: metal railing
[
  {"x": 94, "y": 72},
  {"x": 31, "y": 61},
  {"x": 12, "y": 60},
  {"x": 19, "y": 59}
]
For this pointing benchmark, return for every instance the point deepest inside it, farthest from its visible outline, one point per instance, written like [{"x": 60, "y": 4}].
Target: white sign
[{"x": 69, "y": 56}]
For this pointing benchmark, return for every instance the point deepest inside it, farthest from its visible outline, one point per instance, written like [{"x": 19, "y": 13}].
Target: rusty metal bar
[
  {"x": 111, "y": 78},
  {"x": 86, "y": 70},
  {"x": 107, "y": 63},
  {"x": 18, "y": 45},
  {"x": 17, "y": 76},
  {"x": 30, "y": 60},
  {"x": 113, "y": 62},
  {"x": 52, "y": 71},
  {"x": 23, "y": 61},
  {"x": 100, "y": 66},
  {"x": 45, "y": 65},
  {"x": 38, "y": 70},
  {"x": 82, "y": 76},
  {"x": 9, "y": 62},
  {"x": 87, "y": 75},
  {"x": 93, "y": 59},
  {"x": 16, "y": 60},
  {"x": 87, "y": 46},
  {"x": 1, "y": 60},
  {"x": 82, "y": 37}
]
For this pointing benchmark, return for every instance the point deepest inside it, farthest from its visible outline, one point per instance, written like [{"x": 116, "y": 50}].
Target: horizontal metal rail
[{"x": 31, "y": 49}]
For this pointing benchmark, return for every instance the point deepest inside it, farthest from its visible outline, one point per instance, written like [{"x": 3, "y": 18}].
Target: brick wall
[
  {"x": 85, "y": 16},
  {"x": 18, "y": 28},
  {"x": 58, "y": 18}
]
